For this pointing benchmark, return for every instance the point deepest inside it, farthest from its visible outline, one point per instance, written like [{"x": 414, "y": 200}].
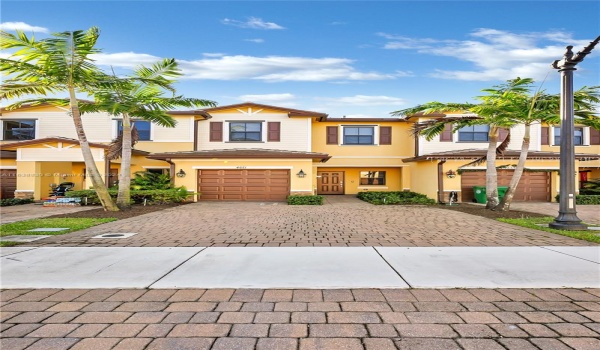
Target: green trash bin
[
  {"x": 480, "y": 196},
  {"x": 502, "y": 191}
]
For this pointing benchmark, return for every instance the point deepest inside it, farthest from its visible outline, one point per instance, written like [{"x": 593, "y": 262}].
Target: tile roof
[
  {"x": 509, "y": 154},
  {"x": 240, "y": 153}
]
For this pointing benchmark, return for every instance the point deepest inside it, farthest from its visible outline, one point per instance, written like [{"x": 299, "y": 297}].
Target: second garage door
[
  {"x": 533, "y": 186},
  {"x": 244, "y": 184},
  {"x": 8, "y": 183}
]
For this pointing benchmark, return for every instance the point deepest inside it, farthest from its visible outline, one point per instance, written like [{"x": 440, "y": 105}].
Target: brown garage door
[
  {"x": 533, "y": 186},
  {"x": 8, "y": 183},
  {"x": 244, "y": 184}
]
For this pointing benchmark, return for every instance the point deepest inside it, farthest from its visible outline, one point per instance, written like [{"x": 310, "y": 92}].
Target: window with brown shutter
[
  {"x": 502, "y": 133},
  {"x": 594, "y": 136},
  {"x": 545, "y": 135},
  {"x": 273, "y": 131},
  {"x": 446, "y": 135},
  {"x": 216, "y": 132},
  {"x": 332, "y": 135},
  {"x": 385, "y": 135}
]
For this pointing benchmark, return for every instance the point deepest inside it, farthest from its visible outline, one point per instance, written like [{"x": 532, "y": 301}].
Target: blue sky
[{"x": 352, "y": 58}]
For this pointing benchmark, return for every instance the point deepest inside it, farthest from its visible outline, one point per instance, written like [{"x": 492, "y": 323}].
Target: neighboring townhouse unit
[
  {"x": 444, "y": 161},
  {"x": 259, "y": 152}
]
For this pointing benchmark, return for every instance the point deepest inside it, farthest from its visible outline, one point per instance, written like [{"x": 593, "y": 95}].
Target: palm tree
[
  {"x": 140, "y": 96},
  {"x": 61, "y": 63}
]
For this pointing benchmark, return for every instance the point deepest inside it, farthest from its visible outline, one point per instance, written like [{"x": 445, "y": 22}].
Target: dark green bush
[
  {"x": 7, "y": 202},
  {"x": 145, "y": 180},
  {"x": 305, "y": 200},
  {"x": 174, "y": 195},
  {"x": 584, "y": 199},
  {"x": 395, "y": 197}
]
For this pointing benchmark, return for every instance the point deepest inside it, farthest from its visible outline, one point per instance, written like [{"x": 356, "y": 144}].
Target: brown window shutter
[
  {"x": 446, "y": 135},
  {"x": 385, "y": 135},
  {"x": 216, "y": 132},
  {"x": 332, "y": 135},
  {"x": 502, "y": 133},
  {"x": 594, "y": 136},
  {"x": 274, "y": 131},
  {"x": 545, "y": 135}
]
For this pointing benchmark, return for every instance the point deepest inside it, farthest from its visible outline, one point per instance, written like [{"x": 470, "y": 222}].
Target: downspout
[
  {"x": 106, "y": 169},
  {"x": 171, "y": 171},
  {"x": 196, "y": 135},
  {"x": 441, "y": 181}
]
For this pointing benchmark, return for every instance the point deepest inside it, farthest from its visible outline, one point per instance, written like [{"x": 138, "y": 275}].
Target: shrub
[
  {"x": 305, "y": 200},
  {"x": 591, "y": 187},
  {"x": 174, "y": 195},
  {"x": 395, "y": 197},
  {"x": 145, "y": 180},
  {"x": 7, "y": 202},
  {"x": 584, "y": 199}
]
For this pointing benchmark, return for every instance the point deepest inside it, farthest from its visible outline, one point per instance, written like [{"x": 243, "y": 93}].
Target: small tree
[
  {"x": 142, "y": 96},
  {"x": 61, "y": 63}
]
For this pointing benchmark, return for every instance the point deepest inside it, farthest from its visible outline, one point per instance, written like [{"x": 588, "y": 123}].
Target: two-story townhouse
[
  {"x": 445, "y": 161},
  {"x": 40, "y": 149},
  {"x": 366, "y": 154},
  {"x": 248, "y": 151}
]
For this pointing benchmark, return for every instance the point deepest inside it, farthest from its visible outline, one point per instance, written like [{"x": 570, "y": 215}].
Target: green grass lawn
[
  {"x": 8, "y": 244},
  {"x": 22, "y": 227},
  {"x": 590, "y": 236}
]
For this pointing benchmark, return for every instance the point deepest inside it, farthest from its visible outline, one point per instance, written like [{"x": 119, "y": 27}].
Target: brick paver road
[
  {"x": 345, "y": 221},
  {"x": 301, "y": 319}
]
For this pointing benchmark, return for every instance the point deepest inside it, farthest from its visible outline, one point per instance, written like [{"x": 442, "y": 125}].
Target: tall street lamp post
[{"x": 567, "y": 214}]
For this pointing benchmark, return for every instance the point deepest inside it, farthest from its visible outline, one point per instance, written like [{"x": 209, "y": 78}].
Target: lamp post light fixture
[
  {"x": 567, "y": 214},
  {"x": 180, "y": 173}
]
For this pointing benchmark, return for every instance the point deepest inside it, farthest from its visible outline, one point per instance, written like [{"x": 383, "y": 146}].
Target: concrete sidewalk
[{"x": 300, "y": 267}]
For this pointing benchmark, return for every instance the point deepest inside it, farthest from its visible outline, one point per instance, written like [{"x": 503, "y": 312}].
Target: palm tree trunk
[
  {"x": 124, "y": 194},
  {"x": 514, "y": 181},
  {"x": 491, "y": 174},
  {"x": 88, "y": 157}
]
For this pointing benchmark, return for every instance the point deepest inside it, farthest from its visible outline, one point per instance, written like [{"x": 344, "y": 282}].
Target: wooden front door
[{"x": 330, "y": 182}]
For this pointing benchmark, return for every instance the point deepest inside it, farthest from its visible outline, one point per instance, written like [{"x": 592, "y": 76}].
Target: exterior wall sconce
[
  {"x": 301, "y": 174},
  {"x": 181, "y": 173},
  {"x": 451, "y": 174}
]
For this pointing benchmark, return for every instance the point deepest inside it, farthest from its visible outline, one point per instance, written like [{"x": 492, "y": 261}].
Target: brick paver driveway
[{"x": 343, "y": 221}]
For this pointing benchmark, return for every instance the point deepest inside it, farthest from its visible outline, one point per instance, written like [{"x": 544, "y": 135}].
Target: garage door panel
[
  {"x": 533, "y": 186},
  {"x": 244, "y": 184},
  {"x": 8, "y": 183}
]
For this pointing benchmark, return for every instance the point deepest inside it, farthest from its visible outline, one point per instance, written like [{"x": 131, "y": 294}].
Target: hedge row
[
  {"x": 583, "y": 199},
  {"x": 398, "y": 197},
  {"x": 174, "y": 195},
  {"x": 305, "y": 200},
  {"x": 7, "y": 202}
]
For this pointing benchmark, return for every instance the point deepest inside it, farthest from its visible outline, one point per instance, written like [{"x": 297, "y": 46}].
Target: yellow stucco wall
[
  {"x": 393, "y": 179},
  {"x": 297, "y": 185},
  {"x": 157, "y": 147},
  {"x": 424, "y": 178},
  {"x": 8, "y": 162}
]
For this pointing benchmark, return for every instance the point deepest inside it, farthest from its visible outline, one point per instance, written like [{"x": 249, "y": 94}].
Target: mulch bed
[
  {"x": 480, "y": 210},
  {"x": 134, "y": 210}
]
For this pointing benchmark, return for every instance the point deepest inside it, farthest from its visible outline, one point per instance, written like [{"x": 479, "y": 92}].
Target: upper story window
[
  {"x": 142, "y": 126},
  {"x": 372, "y": 178},
  {"x": 22, "y": 129},
  {"x": 241, "y": 131},
  {"x": 577, "y": 136},
  {"x": 474, "y": 133},
  {"x": 359, "y": 135}
]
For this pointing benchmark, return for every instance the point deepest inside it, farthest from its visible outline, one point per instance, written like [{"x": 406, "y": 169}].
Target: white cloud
[
  {"x": 124, "y": 59},
  {"x": 10, "y": 26},
  {"x": 258, "y": 41},
  {"x": 270, "y": 99},
  {"x": 364, "y": 100},
  {"x": 253, "y": 23},
  {"x": 268, "y": 68},
  {"x": 494, "y": 54}
]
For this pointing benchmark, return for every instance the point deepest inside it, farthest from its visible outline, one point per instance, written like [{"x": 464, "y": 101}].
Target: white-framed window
[
  {"x": 579, "y": 136},
  {"x": 144, "y": 129},
  {"x": 245, "y": 131},
  {"x": 358, "y": 135},
  {"x": 18, "y": 129},
  {"x": 474, "y": 133},
  {"x": 372, "y": 178}
]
